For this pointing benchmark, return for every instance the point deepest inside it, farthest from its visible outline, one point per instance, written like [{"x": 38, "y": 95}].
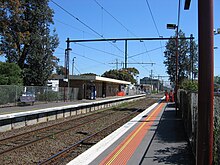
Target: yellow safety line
[{"x": 131, "y": 138}]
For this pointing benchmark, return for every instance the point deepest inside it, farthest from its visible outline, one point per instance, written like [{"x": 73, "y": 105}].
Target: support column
[
  {"x": 126, "y": 53},
  {"x": 206, "y": 83}
]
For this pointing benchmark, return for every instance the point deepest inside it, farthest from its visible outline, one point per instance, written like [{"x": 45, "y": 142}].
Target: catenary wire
[
  {"x": 114, "y": 17},
  {"x": 91, "y": 59},
  {"x": 94, "y": 31},
  {"x": 75, "y": 28},
  {"x": 123, "y": 26},
  {"x": 99, "y": 50}
]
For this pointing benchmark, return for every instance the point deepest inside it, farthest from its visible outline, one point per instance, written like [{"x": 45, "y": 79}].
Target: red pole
[{"x": 206, "y": 83}]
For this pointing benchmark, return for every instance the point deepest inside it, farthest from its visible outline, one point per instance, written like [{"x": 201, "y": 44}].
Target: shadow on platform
[{"x": 170, "y": 144}]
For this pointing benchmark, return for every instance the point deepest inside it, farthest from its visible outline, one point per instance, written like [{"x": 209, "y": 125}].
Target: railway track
[
  {"x": 24, "y": 139},
  {"x": 75, "y": 149},
  {"x": 36, "y": 146}
]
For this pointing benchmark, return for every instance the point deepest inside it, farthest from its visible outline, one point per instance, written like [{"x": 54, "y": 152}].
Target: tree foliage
[
  {"x": 216, "y": 83},
  {"x": 189, "y": 85},
  {"x": 60, "y": 70},
  {"x": 26, "y": 38},
  {"x": 10, "y": 74},
  {"x": 186, "y": 50},
  {"x": 217, "y": 80},
  {"x": 127, "y": 74}
]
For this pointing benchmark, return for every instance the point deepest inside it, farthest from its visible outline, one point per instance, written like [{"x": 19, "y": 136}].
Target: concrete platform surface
[
  {"x": 156, "y": 136},
  {"x": 38, "y": 106},
  {"x": 169, "y": 145}
]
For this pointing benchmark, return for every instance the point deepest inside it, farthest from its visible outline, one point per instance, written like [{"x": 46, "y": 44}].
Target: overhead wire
[
  {"x": 99, "y": 50},
  {"x": 145, "y": 52},
  {"x": 94, "y": 31},
  {"x": 154, "y": 22},
  {"x": 121, "y": 25},
  {"x": 113, "y": 17},
  {"x": 152, "y": 17},
  {"x": 75, "y": 28},
  {"x": 77, "y": 69},
  {"x": 91, "y": 59}
]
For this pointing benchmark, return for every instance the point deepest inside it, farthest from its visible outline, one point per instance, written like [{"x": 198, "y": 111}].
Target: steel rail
[
  {"x": 68, "y": 149},
  {"x": 52, "y": 134},
  {"x": 47, "y": 127}
]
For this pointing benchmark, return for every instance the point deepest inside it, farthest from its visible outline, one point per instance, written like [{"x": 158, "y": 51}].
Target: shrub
[{"x": 189, "y": 85}]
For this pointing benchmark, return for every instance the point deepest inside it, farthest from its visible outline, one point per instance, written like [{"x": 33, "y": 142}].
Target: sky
[{"x": 95, "y": 19}]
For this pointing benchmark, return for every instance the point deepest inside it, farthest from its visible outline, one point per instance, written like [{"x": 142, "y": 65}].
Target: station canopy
[{"x": 93, "y": 78}]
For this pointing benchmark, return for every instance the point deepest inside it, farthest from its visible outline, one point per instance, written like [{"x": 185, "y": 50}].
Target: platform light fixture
[
  {"x": 217, "y": 31},
  {"x": 187, "y": 4},
  {"x": 171, "y": 26}
]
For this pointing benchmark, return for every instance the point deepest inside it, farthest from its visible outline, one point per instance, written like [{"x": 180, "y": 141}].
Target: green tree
[
  {"x": 184, "y": 58},
  {"x": 60, "y": 70},
  {"x": 216, "y": 83},
  {"x": 127, "y": 74},
  {"x": 217, "y": 80},
  {"x": 189, "y": 85},
  {"x": 26, "y": 38},
  {"x": 10, "y": 74}
]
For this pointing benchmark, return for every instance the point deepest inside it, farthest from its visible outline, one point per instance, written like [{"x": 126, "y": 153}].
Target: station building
[
  {"x": 90, "y": 86},
  {"x": 151, "y": 84}
]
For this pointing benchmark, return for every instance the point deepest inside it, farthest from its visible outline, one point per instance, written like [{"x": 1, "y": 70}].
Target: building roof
[{"x": 93, "y": 78}]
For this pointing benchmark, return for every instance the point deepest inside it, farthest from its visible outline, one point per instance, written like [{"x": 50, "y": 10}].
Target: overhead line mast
[{"x": 122, "y": 39}]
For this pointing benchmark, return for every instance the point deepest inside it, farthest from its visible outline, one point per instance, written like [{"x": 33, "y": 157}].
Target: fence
[
  {"x": 188, "y": 105},
  {"x": 10, "y": 94}
]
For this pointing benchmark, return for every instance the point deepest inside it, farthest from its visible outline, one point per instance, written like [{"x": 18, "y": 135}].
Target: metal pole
[
  {"x": 192, "y": 54},
  {"x": 158, "y": 84},
  {"x": 151, "y": 72},
  {"x": 206, "y": 83},
  {"x": 176, "y": 87},
  {"x": 73, "y": 64},
  {"x": 126, "y": 53},
  {"x": 67, "y": 65},
  {"x": 65, "y": 76},
  {"x": 67, "y": 57}
]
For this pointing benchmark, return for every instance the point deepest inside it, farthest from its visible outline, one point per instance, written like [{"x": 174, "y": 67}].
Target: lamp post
[
  {"x": 174, "y": 26},
  {"x": 192, "y": 55},
  {"x": 73, "y": 64},
  {"x": 67, "y": 55}
]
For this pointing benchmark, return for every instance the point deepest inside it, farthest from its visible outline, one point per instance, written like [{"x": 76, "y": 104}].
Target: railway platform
[
  {"x": 156, "y": 136},
  {"x": 21, "y": 116},
  {"x": 35, "y": 107}
]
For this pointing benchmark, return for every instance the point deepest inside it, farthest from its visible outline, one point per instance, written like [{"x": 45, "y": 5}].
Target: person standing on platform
[
  {"x": 171, "y": 96},
  {"x": 166, "y": 96}
]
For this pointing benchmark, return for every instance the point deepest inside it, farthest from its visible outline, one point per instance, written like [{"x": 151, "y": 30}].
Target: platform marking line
[{"x": 136, "y": 136}]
